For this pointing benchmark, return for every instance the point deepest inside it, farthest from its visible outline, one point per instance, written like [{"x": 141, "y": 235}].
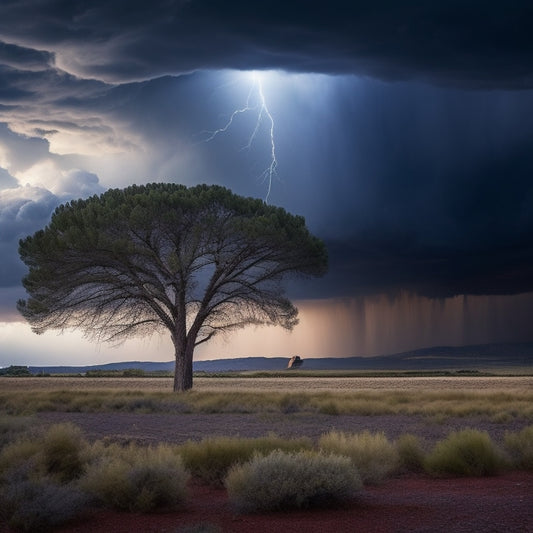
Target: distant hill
[{"x": 482, "y": 356}]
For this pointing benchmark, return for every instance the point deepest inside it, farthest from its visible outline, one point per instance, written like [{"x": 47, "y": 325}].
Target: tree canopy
[{"x": 196, "y": 261}]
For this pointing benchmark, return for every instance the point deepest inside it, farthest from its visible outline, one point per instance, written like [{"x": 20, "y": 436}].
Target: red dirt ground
[{"x": 416, "y": 504}]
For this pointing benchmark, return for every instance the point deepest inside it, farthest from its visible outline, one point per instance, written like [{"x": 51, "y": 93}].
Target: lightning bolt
[{"x": 263, "y": 114}]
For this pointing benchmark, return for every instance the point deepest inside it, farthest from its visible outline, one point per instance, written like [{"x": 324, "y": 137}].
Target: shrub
[
  {"x": 137, "y": 479},
  {"x": 520, "y": 447},
  {"x": 18, "y": 453},
  {"x": 58, "y": 452},
  {"x": 464, "y": 453},
  {"x": 11, "y": 428},
  {"x": 410, "y": 453},
  {"x": 284, "y": 480},
  {"x": 372, "y": 454},
  {"x": 62, "y": 449},
  {"x": 39, "y": 504},
  {"x": 210, "y": 459}
]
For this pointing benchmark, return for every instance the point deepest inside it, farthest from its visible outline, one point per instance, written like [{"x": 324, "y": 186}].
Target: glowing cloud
[{"x": 255, "y": 103}]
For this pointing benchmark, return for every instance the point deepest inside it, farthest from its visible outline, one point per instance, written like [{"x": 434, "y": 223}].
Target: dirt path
[{"x": 177, "y": 428}]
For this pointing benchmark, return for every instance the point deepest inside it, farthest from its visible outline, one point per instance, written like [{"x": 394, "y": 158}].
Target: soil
[
  {"x": 497, "y": 504},
  {"x": 177, "y": 428},
  {"x": 503, "y": 503}
]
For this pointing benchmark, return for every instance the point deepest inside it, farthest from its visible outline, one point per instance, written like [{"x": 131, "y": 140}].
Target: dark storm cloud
[
  {"x": 473, "y": 44},
  {"x": 24, "y": 58},
  {"x": 414, "y": 187}
]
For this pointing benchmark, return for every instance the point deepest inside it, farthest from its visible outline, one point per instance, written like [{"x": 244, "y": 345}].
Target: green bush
[
  {"x": 464, "y": 453},
  {"x": 520, "y": 448},
  {"x": 284, "y": 480},
  {"x": 410, "y": 453},
  {"x": 210, "y": 459},
  {"x": 372, "y": 454},
  {"x": 137, "y": 479}
]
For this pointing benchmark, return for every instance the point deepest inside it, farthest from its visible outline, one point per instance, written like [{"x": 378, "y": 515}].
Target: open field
[
  {"x": 268, "y": 384},
  {"x": 145, "y": 411}
]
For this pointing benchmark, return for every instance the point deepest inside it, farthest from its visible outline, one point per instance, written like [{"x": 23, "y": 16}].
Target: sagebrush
[{"x": 284, "y": 480}]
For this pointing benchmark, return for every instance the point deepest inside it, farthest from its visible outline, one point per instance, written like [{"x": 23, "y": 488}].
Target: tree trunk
[{"x": 183, "y": 367}]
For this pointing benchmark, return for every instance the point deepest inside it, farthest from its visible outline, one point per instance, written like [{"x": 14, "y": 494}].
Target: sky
[{"x": 401, "y": 131}]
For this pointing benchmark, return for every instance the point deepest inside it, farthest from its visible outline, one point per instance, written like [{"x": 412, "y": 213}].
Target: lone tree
[{"x": 197, "y": 261}]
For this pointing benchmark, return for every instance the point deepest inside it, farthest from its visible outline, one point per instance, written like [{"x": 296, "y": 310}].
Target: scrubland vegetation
[
  {"x": 284, "y": 480},
  {"x": 49, "y": 478},
  {"x": 496, "y": 403}
]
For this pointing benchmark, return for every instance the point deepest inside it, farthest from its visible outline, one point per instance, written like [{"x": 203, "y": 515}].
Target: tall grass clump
[
  {"x": 210, "y": 459},
  {"x": 11, "y": 428},
  {"x": 284, "y": 480},
  {"x": 63, "y": 447},
  {"x": 137, "y": 479},
  {"x": 38, "y": 476},
  {"x": 520, "y": 448},
  {"x": 373, "y": 455},
  {"x": 411, "y": 456},
  {"x": 464, "y": 453},
  {"x": 57, "y": 453}
]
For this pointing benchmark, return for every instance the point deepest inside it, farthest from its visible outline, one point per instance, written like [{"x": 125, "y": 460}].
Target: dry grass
[
  {"x": 373, "y": 455},
  {"x": 275, "y": 384},
  {"x": 498, "y": 404}
]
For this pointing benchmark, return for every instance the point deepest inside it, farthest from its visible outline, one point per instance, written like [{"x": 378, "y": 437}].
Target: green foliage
[
  {"x": 292, "y": 480},
  {"x": 410, "y": 453},
  {"x": 137, "y": 479},
  {"x": 15, "y": 371},
  {"x": 210, "y": 459},
  {"x": 520, "y": 448},
  {"x": 373, "y": 455},
  {"x": 465, "y": 453}
]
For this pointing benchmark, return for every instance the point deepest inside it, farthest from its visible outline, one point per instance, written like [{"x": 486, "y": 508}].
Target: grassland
[
  {"x": 403, "y": 423},
  {"x": 496, "y": 397}
]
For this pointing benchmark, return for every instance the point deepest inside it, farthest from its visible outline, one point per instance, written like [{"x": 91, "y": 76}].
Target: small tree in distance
[{"x": 196, "y": 261}]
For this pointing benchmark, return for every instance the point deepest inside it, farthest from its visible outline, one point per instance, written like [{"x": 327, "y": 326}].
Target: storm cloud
[
  {"x": 403, "y": 129},
  {"x": 477, "y": 44}
]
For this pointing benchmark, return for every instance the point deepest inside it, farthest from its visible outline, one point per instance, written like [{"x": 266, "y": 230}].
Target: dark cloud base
[{"x": 469, "y": 44}]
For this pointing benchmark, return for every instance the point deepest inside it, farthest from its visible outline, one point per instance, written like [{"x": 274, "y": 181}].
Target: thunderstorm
[{"x": 255, "y": 103}]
